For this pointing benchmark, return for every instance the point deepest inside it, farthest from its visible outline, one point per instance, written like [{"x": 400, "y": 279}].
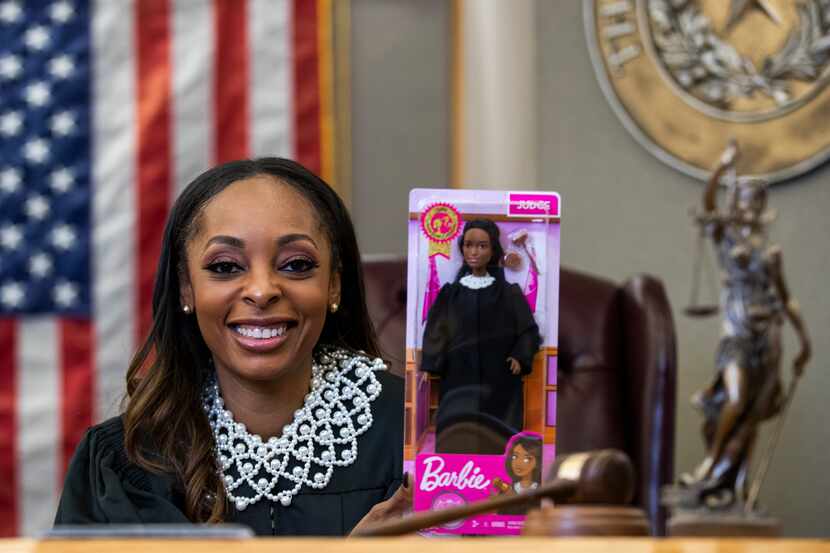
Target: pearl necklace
[
  {"x": 322, "y": 435},
  {"x": 477, "y": 282}
]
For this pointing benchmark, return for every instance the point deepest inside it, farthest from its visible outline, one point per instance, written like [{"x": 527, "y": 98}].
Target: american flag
[{"x": 107, "y": 109}]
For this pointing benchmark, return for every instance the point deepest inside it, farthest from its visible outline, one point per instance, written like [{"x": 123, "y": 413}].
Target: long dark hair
[
  {"x": 166, "y": 429},
  {"x": 492, "y": 230},
  {"x": 532, "y": 443}
]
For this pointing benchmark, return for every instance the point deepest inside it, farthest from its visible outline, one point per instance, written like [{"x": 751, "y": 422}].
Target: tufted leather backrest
[{"x": 617, "y": 367}]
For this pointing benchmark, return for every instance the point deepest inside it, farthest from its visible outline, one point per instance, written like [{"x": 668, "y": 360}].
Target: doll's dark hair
[
  {"x": 533, "y": 445},
  {"x": 492, "y": 230},
  {"x": 165, "y": 427}
]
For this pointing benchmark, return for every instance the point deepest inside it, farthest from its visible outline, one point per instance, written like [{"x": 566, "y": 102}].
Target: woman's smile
[{"x": 262, "y": 336}]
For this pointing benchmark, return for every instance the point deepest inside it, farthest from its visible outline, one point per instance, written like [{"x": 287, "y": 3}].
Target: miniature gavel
[{"x": 603, "y": 477}]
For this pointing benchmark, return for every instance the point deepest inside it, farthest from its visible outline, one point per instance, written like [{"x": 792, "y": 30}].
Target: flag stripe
[
  {"x": 306, "y": 85},
  {"x": 193, "y": 54},
  {"x": 113, "y": 200},
  {"x": 8, "y": 423},
  {"x": 38, "y": 423},
  {"x": 272, "y": 78},
  {"x": 231, "y": 80},
  {"x": 153, "y": 24},
  {"x": 78, "y": 385}
]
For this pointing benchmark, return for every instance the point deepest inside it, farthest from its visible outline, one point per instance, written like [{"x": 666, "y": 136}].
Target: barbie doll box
[{"x": 481, "y": 337}]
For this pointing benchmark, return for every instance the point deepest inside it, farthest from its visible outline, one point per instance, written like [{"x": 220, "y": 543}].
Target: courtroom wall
[{"x": 400, "y": 113}]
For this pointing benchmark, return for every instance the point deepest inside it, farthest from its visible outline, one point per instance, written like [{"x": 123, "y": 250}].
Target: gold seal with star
[{"x": 685, "y": 76}]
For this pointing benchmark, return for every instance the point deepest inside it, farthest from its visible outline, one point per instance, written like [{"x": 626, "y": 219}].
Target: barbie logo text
[
  {"x": 468, "y": 477},
  {"x": 533, "y": 204}
]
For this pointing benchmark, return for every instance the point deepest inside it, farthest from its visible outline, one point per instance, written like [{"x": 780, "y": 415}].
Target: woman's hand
[
  {"x": 395, "y": 507},
  {"x": 515, "y": 366}
]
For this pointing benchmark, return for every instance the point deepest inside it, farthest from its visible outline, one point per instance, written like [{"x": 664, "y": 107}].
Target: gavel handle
[{"x": 557, "y": 490}]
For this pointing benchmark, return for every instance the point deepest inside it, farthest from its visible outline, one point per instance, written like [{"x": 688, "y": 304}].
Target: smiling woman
[{"x": 259, "y": 396}]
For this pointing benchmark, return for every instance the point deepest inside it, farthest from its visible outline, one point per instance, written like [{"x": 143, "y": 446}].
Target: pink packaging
[{"x": 482, "y": 314}]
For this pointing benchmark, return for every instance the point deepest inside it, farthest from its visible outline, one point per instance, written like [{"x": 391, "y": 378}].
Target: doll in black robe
[{"x": 480, "y": 339}]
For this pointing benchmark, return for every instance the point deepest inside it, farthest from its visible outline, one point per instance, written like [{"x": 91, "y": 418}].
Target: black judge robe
[
  {"x": 104, "y": 487},
  {"x": 468, "y": 337}
]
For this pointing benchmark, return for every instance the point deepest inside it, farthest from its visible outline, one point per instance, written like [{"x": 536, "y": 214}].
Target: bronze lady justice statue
[{"x": 746, "y": 389}]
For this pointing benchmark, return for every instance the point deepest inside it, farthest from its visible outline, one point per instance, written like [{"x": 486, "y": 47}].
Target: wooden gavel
[{"x": 603, "y": 477}]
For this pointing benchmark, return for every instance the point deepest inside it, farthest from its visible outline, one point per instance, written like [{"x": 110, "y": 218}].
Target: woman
[
  {"x": 258, "y": 396},
  {"x": 480, "y": 339}
]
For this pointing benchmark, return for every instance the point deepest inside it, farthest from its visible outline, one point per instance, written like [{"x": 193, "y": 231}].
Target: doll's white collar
[{"x": 477, "y": 282}]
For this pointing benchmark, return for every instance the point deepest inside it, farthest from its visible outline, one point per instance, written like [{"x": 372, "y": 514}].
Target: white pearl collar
[
  {"x": 322, "y": 435},
  {"x": 477, "y": 282}
]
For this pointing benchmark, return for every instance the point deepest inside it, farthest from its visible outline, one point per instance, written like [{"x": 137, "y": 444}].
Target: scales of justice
[{"x": 719, "y": 497}]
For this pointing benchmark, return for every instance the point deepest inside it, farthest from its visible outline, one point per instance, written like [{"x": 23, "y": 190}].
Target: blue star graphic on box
[{"x": 45, "y": 151}]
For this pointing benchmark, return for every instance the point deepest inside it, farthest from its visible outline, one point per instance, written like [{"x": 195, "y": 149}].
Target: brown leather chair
[
  {"x": 617, "y": 367},
  {"x": 617, "y": 377}
]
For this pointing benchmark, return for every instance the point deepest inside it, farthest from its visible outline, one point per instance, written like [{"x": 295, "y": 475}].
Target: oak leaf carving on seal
[{"x": 711, "y": 69}]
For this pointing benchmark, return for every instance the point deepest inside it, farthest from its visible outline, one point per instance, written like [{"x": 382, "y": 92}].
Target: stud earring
[
  {"x": 186, "y": 309},
  {"x": 334, "y": 307}
]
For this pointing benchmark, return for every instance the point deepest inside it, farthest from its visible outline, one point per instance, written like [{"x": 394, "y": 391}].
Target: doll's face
[
  {"x": 477, "y": 248},
  {"x": 522, "y": 462}
]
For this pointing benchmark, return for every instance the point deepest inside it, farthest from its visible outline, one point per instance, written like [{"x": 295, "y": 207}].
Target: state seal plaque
[{"x": 686, "y": 75}]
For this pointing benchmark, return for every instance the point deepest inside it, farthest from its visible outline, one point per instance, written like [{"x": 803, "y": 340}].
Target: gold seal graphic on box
[{"x": 686, "y": 75}]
